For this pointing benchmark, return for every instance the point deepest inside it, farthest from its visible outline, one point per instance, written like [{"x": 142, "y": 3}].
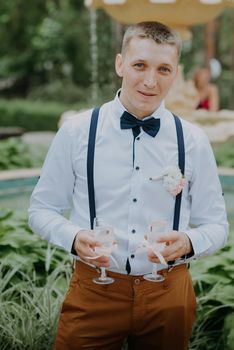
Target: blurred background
[
  {"x": 47, "y": 46},
  {"x": 57, "y": 58}
]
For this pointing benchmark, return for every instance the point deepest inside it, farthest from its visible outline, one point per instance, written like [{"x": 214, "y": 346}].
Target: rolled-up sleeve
[
  {"x": 208, "y": 217},
  {"x": 53, "y": 193}
]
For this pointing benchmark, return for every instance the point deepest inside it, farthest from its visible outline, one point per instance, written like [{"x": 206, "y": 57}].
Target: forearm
[
  {"x": 53, "y": 227},
  {"x": 208, "y": 238}
]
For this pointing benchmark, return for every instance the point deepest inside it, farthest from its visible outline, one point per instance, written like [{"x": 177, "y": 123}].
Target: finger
[
  {"x": 101, "y": 262},
  {"x": 174, "y": 248},
  {"x": 91, "y": 241},
  {"x": 96, "y": 263},
  {"x": 151, "y": 254},
  {"x": 169, "y": 237},
  {"x": 87, "y": 237},
  {"x": 154, "y": 259},
  {"x": 171, "y": 252},
  {"x": 86, "y": 251},
  {"x": 174, "y": 255}
]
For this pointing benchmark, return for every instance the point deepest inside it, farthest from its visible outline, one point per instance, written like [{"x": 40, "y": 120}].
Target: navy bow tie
[{"x": 150, "y": 126}]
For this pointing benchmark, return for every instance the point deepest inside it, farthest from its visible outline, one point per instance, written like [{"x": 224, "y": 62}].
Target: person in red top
[{"x": 208, "y": 92}]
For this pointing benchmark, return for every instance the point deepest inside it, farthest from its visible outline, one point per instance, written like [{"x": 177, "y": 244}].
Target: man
[{"x": 137, "y": 141}]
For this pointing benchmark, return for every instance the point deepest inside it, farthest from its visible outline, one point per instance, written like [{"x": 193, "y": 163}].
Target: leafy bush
[
  {"x": 20, "y": 246},
  {"x": 224, "y": 153},
  {"x": 214, "y": 285},
  {"x": 32, "y": 116},
  {"x": 29, "y": 311},
  {"x": 34, "y": 277},
  {"x": 59, "y": 90},
  {"x": 14, "y": 154},
  {"x": 17, "y": 154},
  {"x": 213, "y": 279},
  {"x": 33, "y": 280}
]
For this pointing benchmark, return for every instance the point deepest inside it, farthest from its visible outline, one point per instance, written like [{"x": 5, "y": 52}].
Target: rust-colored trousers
[{"x": 152, "y": 316}]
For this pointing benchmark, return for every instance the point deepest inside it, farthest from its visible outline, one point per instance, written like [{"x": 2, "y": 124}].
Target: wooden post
[
  {"x": 210, "y": 31},
  {"x": 232, "y": 64},
  {"x": 94, "y": 55}
]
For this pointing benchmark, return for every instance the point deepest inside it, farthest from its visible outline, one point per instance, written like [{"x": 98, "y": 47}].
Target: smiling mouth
[{"x": 147, "y": 94}]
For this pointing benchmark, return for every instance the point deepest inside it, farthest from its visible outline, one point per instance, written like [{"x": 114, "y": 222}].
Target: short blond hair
[{"x": 157, "y": 31}]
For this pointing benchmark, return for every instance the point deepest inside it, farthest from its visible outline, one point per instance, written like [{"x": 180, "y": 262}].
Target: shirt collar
[{"x": 118, "y": 108}]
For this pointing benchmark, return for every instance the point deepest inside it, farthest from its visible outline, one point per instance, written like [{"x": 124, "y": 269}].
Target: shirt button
[
  {"x": 137, "y": 168},
  {"x": 134, "y": 200},
  {"x": 132, "y": 256},
  {"x": 138, "y": 138},
  {"x": 133, "y": 231}
]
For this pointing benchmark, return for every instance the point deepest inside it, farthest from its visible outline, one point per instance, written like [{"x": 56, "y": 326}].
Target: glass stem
[
  {"x": 155, "y": 269},
  {"x": 103, "y": 273}
]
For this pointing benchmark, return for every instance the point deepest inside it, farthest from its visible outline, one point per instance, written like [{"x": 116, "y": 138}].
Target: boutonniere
[{"x": 173, "y": 179}]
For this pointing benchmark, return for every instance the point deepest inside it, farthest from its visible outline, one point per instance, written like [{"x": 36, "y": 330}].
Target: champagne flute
[
  {"x": 156, "y": 229},
  {"x": 104, "y": 234}
]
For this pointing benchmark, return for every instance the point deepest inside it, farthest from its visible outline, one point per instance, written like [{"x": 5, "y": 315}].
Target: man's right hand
[{"x": 84, "y": 245}]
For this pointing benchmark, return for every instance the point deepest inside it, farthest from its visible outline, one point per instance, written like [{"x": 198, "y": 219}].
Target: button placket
[{"x": 134, "y": 206}]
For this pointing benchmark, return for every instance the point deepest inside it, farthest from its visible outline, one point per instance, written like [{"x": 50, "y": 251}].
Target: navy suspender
[
  {"x": 90, "y": 163},
  {"x": 181, "y": 163}
]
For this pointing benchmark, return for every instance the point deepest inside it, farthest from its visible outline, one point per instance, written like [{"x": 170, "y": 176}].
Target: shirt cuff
[
  {"x": 199, "y": 244},
  {"x": 73, "y": 251}
]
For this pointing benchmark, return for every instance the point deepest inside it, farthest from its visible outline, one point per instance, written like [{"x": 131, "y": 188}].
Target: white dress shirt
[{"x": 123, "y": 191}]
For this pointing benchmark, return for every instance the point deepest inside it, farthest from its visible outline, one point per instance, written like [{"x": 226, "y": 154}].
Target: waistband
[{"x": 84, "y": 269}]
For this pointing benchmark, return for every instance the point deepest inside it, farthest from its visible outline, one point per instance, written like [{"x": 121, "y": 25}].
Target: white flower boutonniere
[{"x": 173, "y": 180}]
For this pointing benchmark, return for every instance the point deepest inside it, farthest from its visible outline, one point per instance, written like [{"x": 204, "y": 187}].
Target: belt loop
[{"x": 164, "y": 273}]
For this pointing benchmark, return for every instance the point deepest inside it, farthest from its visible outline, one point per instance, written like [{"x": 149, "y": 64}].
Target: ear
[{"x": 119, "y": 65}]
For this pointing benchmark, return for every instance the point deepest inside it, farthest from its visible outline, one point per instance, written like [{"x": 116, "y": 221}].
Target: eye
[
  {"x": 165, "y": 69},
  {"x": 139, "y": 65}
]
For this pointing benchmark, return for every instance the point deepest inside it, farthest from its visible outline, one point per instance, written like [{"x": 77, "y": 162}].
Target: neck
[{"x": 138, "y": 114}]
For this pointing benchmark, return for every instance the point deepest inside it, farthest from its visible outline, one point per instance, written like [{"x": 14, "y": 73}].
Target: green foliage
[
  {"x": 33, "y": 279},
  {"x": 229, "y": 331},
  {"x": 53, "y": 45},
  {"x": 224, "y": 153},
  {"x": 31, "y": 115},
  {"x": 58, "y": 91},
  {"x": 214, "y": 285},
  {"x": 225, "y": 54},
  {"x": 20, "y": 245},
  {"x": 14, "y": 154},
  {"x": 18, "y": 19}
]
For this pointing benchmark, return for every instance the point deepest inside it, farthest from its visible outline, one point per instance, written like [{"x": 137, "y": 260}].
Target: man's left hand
[{"x": 177, "y": 245}]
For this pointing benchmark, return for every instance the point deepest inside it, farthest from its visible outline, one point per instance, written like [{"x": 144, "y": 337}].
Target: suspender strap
[
  {"x": 90, "y": 162},
  {"x": 181, "y": 163}
]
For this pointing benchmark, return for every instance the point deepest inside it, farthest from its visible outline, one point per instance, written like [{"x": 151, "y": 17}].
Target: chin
[{"x": 147, "y": 109}]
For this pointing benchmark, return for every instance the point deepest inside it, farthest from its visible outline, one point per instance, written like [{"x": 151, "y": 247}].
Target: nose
[{"x": 150, "y": 80}]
